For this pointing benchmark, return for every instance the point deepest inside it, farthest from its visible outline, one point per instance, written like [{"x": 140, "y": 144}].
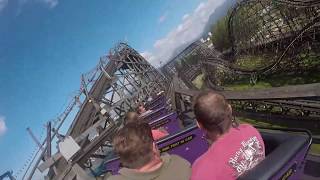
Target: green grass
[
  {"x": 315, "y": 149},
  {"x": 309, "y": 73},
  {"x": 198, "y": 81},
  {"x": 258, "y": 123},
  {"x": 295, "y": 79},
  {"x": 310, "y": 60},
  {"x": 252, "y": 62},
  {"x": 275, "y": 80},
  {"x": 245, "y": 86},
  {"x": 309, "y": 76}
]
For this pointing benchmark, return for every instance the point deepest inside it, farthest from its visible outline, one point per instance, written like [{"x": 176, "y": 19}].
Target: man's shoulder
[
  {"x": 200, "y": 167},
  {"x": 248, "y": 128},
  {"x": 179, "y": 160},
  {"x": 201, "y": 161},
  {"x": 174, "y": 165}
]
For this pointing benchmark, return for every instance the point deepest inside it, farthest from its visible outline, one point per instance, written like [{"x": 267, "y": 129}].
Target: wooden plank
[
  {"x": 83, "y": 114},
  {"x": 94, "y": 145},
  {"x": 49, "y": 162},
  {"x": 80, "y": 173},
  {"x": 65, "y": 172}
]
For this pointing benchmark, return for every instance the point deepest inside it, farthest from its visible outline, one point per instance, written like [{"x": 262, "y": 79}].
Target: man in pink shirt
[{"x": 235, "y": 148}]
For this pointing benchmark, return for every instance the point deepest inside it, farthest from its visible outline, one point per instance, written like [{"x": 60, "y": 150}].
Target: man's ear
[
  {"x": 230, "y": 108},
  {"x": 199, "y": 125},
  {"x": 155, "y": 149}
]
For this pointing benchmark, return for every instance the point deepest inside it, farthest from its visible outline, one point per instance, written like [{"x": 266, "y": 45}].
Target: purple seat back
[
  {"x": 157, "y": 103},
  {"x": 189, "y": 144},
  {"x": 155, "y": 114},
  {"x": 169, "y": 122},
  {"x": 294, "y": 168},
  {"x": 112, "y": 166},
  {"x": 157, "y": 106}
]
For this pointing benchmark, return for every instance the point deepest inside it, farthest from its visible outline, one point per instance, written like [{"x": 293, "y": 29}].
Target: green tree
[{"x": 220, "y": 36}]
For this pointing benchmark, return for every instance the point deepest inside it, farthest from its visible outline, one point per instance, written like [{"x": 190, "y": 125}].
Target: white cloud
[
  {"x": 3, "y": 4},
  {"x": 147, "y": 55},
  {"x": 3, "y": 127},
  {"x": 51, "y": 3},
  {"x": 48, "y": 3},
  {"x": 184, "y": 17},
  {"x": 200, "y": 7},
  {"x": 187, "y": 31},
  {"x": 163, "y": 18}
]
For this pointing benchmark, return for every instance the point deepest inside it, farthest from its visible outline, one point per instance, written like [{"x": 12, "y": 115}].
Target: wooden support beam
[{"x": 49, "y": 162}]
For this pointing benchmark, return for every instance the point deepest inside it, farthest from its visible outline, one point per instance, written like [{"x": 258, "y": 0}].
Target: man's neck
[
  {"x": 154, "y": 164},
  {"x": 211, "y": 138},
  {"x": 215, "y": 136}
]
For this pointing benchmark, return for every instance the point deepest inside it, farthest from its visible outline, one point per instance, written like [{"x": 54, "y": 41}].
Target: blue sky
[{"x": 45, "y": 45}]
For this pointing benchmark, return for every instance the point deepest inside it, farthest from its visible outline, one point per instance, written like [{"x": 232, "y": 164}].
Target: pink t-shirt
[
  {"x": 231, "y": 155},
  {"x": 158, "y": 134}
]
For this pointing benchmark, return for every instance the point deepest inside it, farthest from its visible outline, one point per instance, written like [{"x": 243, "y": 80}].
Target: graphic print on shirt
[{"x": 248, "y": 156}]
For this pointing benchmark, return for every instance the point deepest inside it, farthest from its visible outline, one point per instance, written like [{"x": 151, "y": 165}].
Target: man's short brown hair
[
  {"x": 134, "y": 145},
  {"x": 213, "y": 112},
  {"x": 132, "y": 117}
]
